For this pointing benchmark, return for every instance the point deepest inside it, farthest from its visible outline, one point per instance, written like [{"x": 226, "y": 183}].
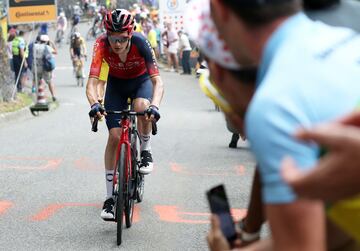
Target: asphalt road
[{"x": 52, "y": 178}]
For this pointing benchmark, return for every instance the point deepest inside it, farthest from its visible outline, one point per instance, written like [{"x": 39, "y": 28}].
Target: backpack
[{"x": 48, "y": 60}]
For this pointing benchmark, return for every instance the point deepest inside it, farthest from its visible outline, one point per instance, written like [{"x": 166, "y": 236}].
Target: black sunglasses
[{"x": 118, "y": 39}]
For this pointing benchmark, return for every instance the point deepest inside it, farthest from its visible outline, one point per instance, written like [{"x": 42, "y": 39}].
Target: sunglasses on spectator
[{"x": 117, "y": 39}]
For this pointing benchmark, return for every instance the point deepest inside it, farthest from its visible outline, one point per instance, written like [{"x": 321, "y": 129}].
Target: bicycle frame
[{"x": 124, "y": 139}]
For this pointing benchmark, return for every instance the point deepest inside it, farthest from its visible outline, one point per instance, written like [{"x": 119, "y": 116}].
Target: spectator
[
  {"x": 19, "y": 53},
  {"x": 30, "y": 59},
  {"x": 146, "y": 25},
  {"x": 44, "y": 29},
  {"x": 265, "y": 33},
  {"x": 254, "y": 220},
  {"x": 172, "y": 47},
  {"x": 158, "y": 36},
  {"x": 184, "y": 52},
  {"x": 41, "y": 49},
  {"x": 11, "y": 37},
  {"x": 151, "y": 36},
  {"x": 224, "y": 71}
]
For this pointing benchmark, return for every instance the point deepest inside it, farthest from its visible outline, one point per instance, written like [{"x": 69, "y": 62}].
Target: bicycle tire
[
  {"x": 140, "y": 182},
  {"x": 120, "y": 194},
  {"x": 135, "y": 145},
  {"x": 89, "y": 34},
  {"x": 130, "y": 191}
]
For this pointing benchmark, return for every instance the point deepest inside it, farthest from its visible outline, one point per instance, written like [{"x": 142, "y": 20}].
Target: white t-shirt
[{"x": 184, "y": 43}]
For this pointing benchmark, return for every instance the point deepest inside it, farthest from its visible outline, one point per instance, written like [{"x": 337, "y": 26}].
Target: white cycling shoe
[{"x": 146, "y": 165}]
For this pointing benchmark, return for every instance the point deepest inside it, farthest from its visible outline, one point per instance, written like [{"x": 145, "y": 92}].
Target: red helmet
[{"x": 119, "y": 20}]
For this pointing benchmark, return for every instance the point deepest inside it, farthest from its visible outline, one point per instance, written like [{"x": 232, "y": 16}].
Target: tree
[{"x": 6, "y": 76}]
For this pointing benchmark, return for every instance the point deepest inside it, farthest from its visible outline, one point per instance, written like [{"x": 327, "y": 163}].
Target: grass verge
[{"x": 22, "y": 100}]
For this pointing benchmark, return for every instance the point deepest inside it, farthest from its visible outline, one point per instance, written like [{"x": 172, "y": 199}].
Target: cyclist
[
  {"x": 61, "y": 27},
  {"x": 77, "y": 50},
  {"x": 98, "y": 20},
  {"x": 75, "y": 20},
  {"x": 133, "y": 72}
]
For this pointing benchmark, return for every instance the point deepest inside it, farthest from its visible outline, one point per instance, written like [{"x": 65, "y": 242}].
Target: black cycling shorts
[
  {"x": 77, "y": 51},
  {"x": 119, "y": 90}
]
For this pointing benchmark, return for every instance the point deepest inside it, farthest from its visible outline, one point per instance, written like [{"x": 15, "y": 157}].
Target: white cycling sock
[
  {"x": 109, "y": 175},
  {"x": 145, "y": 143}
]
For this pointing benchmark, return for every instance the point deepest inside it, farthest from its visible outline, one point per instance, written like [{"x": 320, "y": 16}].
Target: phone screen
[{"x": 219, "y": 205}]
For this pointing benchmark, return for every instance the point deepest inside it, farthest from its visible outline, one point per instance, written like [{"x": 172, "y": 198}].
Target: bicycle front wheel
[
  {"x": 130, "y": 190},
  {"x": 120, "y": 193}
]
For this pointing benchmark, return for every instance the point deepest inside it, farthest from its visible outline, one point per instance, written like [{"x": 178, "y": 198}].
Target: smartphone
[{"x": 219, "y": 205}]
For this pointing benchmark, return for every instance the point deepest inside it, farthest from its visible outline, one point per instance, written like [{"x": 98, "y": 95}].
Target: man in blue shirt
[{"x": 309, "y": 74}]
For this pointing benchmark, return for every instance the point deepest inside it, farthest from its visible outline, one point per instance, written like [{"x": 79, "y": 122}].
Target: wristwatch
[{"x": 245, "y": 236}]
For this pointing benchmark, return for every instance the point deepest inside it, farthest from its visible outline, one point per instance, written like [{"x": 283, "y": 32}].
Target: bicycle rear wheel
[
  {"x": 89, "y": 34},
  {"x": 140, "y": 182},
  {"x": 120, "y": 193}
]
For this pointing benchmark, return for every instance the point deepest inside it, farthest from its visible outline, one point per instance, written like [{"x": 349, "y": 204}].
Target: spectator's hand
[
  {"x": 216, "y": 239},
  {"x": 152, "y": 113},
  {"x": 352, "y": 119}
]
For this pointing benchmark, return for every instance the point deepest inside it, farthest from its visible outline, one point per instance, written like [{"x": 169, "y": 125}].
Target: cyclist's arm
[
  {"x": 158, "y": 90},
  {"x": 52, "y": 45},
  {"x": 65, "y": 24},
  {"x": 101, "y": 90},
  {"x": 95, "y": 72},
  {"x": 152, "y": 68},
  {"x": 84, "y": 47},
  {"x": 71, "y": 52},
  {"x": 104, "y": 72},
  {"x": 92, "y": 90}
]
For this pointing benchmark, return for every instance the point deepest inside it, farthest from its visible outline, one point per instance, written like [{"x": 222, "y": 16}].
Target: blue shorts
[{"x": 119, "y": 90}]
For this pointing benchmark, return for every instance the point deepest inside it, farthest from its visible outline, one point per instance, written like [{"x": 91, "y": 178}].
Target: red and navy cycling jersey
[{"x": 140, "y": 59}]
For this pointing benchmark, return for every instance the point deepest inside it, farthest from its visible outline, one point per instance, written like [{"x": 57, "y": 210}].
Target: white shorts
[{"x": 173, "y": 48}]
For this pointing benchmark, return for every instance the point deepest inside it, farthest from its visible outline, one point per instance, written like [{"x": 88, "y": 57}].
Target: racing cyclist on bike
[
  {"x": 133, "y": 72},
  {"x": 98, "y": 21},
  {"x": 78, "y": 50},
  {"x": 61, "y": 25}
]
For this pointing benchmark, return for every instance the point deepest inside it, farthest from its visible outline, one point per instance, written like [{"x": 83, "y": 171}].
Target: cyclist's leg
[
  {"x": 82, "y": 60},
  {"x": 114, "y": 101},
  {"x": 142, "y": 101}
]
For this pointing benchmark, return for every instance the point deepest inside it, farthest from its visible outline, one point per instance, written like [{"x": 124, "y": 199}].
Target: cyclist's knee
[
  {"x": 141, "y": 104},
  {"x": 114, "y": 136}
]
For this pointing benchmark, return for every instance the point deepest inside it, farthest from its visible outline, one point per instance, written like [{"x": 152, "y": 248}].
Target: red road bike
[{"x": 128, "y": 182}]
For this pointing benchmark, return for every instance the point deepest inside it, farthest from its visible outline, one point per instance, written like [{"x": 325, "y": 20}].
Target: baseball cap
[
  {"x": 201, "y": 29},
  {"x": 44, "y": 38}
]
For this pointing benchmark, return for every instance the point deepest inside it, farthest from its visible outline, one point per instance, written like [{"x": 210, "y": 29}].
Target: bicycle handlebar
[{"x": 94, "y": 126}]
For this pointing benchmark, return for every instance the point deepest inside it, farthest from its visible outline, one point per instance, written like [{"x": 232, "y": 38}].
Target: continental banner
[{"x": 31, "y": 11}]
